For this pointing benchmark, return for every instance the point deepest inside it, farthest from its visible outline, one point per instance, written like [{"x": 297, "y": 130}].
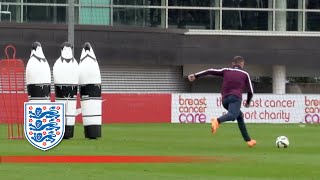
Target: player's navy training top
[{"x": 235, "y": 81}]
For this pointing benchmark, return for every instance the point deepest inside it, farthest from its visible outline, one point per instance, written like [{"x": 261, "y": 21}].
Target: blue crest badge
[{"x": 44, "y": 123}]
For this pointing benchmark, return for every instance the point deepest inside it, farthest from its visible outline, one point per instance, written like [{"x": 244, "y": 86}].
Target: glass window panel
[
  {"x": 293, "y": 4},
  {"x": 247, "y": 3},
  {"x": 45, "y": 14},
  {"x": 93, "y": 12},
  {"x": 141, "y": 17},
  {"x": 45, "y": 1},
  {"x": 313, "y": 4},
  {"x": 10, "y": 1},
  {"x": 192, "y": 19},
  {"x": 202, "y": 3},
  {"x": 139, "y": 2},
  {"x": 15, "y": 12},
  {"x": 313, "y": 21},
  {"x": 246, "y": 20},
  {"x": 292, "y": 21},
  {"x": 59, "y": 1}
]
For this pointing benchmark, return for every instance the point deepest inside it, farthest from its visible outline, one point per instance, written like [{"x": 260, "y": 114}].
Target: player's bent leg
[
  {"x": 215, "y": 122},
  {"x": 233, "y": 105},
  {"x": 244, "y": 132}
]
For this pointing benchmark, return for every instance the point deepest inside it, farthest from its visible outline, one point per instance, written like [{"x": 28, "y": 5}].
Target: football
[{"x": 282, "y": 142}]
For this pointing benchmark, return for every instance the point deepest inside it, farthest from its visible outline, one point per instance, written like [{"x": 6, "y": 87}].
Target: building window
[
  {"x": 261, "y": 15},
  {"x": 45, "y": 14},
  {"x": 312, "y": 21},
  {"x": 245, "y": 20},
  {"x": 141, "y": 17},
  {"x": 313, "y": 18},
  {"x": 292, "y": 21},
  {"x": 294, "y": 4},
  {"x": 312, "y": 4},
  {"x": 247, "y": 3},
  {"x": 94, "y": 12},
  {"x": 191, "y": 19},
  {"x": 202, "y": 3},
  {"x": 137, "y": 2}
]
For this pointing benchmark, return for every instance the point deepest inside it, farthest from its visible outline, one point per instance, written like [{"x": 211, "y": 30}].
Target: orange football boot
[
  {"x": 251, "y": 143},
  {"x": 214, "y": 125}
]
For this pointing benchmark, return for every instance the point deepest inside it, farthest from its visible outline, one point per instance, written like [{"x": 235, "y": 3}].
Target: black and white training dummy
[
  {"x": 38, "y": 75},
  {"x": 66, "y": 75},
  {"x": 90, "y": 92}
]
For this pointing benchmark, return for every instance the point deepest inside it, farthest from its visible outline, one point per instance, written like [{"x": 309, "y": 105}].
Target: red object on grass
[
  {"x": 104, "y": 159},
  {"x": 12, "y": 93}
]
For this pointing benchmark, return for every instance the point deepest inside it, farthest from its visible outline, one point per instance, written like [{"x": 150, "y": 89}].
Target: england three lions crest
[{"x": 44, "y": 124}]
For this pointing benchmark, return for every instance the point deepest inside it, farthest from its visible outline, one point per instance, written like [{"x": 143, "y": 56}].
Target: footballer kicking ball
[{"x": 282, "y": 142}]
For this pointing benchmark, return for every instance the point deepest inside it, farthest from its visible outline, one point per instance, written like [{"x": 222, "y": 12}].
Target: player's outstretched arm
[{"x": 213, "y": 72}]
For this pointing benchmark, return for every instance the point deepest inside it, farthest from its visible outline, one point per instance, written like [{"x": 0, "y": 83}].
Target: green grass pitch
[{"x": 300, "y": 161}]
